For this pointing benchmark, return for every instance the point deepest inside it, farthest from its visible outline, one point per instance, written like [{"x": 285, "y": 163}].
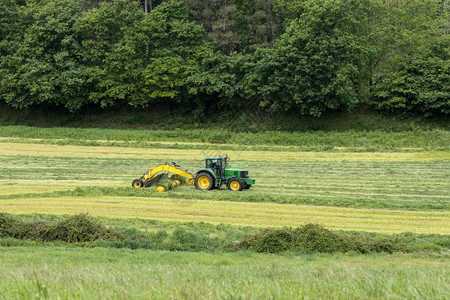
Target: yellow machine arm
[{"x": 164, "y": 169}]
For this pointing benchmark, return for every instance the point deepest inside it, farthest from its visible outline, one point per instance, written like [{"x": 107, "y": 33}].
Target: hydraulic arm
[{"x": 157, "y": 172}]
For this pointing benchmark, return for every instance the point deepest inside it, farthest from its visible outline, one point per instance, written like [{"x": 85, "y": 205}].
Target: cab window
[{"x": 212, "y": 163}]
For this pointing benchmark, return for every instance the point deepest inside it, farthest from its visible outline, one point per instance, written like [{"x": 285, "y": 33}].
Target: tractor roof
[{"x": 216, "y": 157}]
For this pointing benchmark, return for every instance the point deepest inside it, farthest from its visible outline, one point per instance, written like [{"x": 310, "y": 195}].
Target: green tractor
[{"x": 217, "y": 172}]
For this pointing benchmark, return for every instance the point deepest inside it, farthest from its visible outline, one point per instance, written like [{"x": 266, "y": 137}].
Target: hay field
[
  {"x": 370, "y": 191},
  {"x": 373, "y": 182}
]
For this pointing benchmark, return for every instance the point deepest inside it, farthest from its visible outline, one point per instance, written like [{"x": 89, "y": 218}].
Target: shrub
[
  {"x": 188, "y": 241},
  {"x": 267, "y": 240},
  {"x": 78, "y": 228},
  {"x": 420, "y": 86},
  {"x": 11, "y": 226},
  {"x": 315, "y": 238}
]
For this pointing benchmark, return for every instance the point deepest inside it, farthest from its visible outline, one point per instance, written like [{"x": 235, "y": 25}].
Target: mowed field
[
  {"x": 374, "y": 182},
  {"x": 372, "y": 191}
]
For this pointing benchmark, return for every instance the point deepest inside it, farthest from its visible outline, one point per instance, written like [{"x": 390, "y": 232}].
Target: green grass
[
  {"x": 409, "y": 190},
  {"x": 55, "y": 272},
  {"x": 242, "y": 214},
  {"x": 388, "y": 182},
  {"x": 401, "y": 181},
  {"x": 209, "y": 138}
]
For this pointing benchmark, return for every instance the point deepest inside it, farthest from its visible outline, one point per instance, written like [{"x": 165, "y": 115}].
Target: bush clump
[
  {"x": 77, "y": 228},
  {"x": 11, "y": 226},
  {"x": 315, "y": 238}
]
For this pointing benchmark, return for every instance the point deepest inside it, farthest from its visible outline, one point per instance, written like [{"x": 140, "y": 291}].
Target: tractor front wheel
[
  {"x": 235, "y": 184},
  {"x": 204, "y": 181},
  {"x": 137, "y": 183}
]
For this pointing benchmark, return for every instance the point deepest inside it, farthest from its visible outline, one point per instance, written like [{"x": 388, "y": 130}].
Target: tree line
[{"x": 303, "y": 56}]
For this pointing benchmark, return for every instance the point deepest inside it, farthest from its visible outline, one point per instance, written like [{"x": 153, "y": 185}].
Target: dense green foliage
[
  {"x": 304, "y": 56},
  {"x": 45, "y": 66},
  {"x": 314, "y": 65},
  {"x": 414, "y": 72}
]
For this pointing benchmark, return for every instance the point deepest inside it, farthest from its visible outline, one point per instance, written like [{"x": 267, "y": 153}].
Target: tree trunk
[{"x": 271, "y": 25}]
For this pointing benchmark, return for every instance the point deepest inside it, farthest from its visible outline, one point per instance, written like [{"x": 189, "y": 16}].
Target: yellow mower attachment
[
  {"x": 170, "y": 185},
  {"x": 175, "y": 183},
  {"x": 160, "y": 189},
  {"x": 154, "y": 175}
]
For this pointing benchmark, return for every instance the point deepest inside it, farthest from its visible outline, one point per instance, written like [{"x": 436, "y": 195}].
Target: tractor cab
[
  {"x": 217, "y": 164},
  {"x": 217, "y": 172}
]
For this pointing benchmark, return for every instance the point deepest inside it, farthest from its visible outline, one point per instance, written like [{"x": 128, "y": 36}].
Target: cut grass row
[
  {"x": 242, "y": 214},
  {"x": 189, "y": 192},
  {"x": 307, "y": 188},
  {"x": 379, "y": 180},
  {"x": 379, "y": 140},
  {"x": 116, "y": 274},
  {"x": 183, "y": 154}
]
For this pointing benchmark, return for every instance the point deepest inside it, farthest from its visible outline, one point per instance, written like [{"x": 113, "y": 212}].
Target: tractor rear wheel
[
  {"x": 235, "y": 184},
  {"x": 204, "y": 181},
  {"x": 137, "y": 183}
]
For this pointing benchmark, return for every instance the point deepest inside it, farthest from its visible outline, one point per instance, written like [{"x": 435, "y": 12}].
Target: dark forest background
[{"x": 295, "y": 57}]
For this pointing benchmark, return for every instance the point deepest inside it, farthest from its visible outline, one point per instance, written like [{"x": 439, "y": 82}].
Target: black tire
[
  {"x": 235, "y": 184},
  {"x": 204, "y": 181},
  {"x": 137, "y": 183},
  {"x": 246, "y": 187}
]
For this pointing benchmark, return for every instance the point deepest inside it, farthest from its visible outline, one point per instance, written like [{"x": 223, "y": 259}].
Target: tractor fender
[
  {"x": 210, "y": 172},
  {"x": 231, "y": 178}
]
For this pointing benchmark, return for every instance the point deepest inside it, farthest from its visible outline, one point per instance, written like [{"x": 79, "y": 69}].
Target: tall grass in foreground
[{"x": 122, "y": 274}]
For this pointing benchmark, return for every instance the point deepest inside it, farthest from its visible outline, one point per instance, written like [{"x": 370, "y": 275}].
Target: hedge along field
[{"x": 409, "y": 190}]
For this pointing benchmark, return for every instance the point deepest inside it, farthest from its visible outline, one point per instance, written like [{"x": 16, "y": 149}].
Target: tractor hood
[
  {"x": 235, "y": 169},
  {"x": 236, "y": 172}
]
